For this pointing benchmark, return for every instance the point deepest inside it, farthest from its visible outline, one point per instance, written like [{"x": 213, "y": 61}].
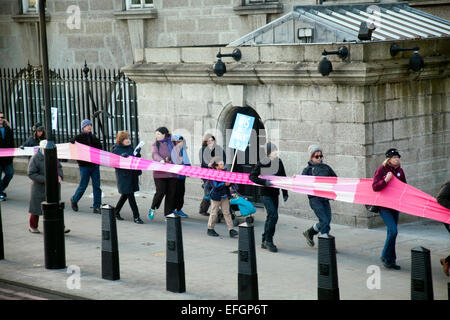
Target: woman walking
[
  {"x": 390, "y": 168},
  {"x": 165, "y": 182},
  {"x": 220, "y": 197},
  {"x": 127, "y": 180},
  {"x": 208, "y": 151},
  {"x": 182, "y": 158},
  {"x": 36, "y": 172},
  {"x": 320, "y": 206}
]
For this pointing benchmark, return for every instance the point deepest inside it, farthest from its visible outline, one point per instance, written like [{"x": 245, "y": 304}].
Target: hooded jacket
[{"x": 318, "y": 170}]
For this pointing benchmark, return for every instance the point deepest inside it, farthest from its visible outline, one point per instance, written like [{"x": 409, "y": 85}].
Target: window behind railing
[{"x": 107, "y": 97}]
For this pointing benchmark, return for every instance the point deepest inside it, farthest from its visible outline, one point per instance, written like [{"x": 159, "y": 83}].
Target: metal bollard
[
  {"x": 328, "y": 288},
  {"x": 421, "y": 282},
  {"x": 54, "y": 243},
  {"x": 2, "y": 250},
  {"x": 247, "y": 275},
  {"x": 175, "y": 276},
  {"x": 110, "y": 247}
]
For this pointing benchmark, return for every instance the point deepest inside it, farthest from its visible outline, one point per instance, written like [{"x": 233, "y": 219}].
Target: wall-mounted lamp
[
  {"x": 325, "y": 66},
  {"x": 415, "y": 62},
  {"x": 219, "y": 67}
]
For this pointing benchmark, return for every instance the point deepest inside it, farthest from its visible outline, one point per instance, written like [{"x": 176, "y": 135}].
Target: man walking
[
  {"x": 6, "y": 163},
  {"x": 88, "y": 170}
]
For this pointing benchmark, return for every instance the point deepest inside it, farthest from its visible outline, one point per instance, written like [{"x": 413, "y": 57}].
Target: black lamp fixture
[
  {"x": 219, "y": 67},
  {"x": 415, "y": 62},
  {"x": 325, "y": 66}
]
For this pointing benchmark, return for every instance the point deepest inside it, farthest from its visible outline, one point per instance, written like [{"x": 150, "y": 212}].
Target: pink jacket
[{"x": 162, "y": 152}]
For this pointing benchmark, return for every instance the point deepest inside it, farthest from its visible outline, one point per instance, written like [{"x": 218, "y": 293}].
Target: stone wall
[{"x": 368, "y": 104}]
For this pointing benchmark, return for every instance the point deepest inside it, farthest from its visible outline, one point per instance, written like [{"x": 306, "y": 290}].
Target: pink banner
[{"x": 397, "y": 195}]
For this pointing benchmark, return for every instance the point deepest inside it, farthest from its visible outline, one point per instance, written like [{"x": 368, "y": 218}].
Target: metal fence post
[
  {"x": 328, "y": 288},
  {"x": 421, "y": 282},
  {"x": 175, "y": 274},
  {"x": 247, "y": 274},
  {"x": 110, "y": 248}
]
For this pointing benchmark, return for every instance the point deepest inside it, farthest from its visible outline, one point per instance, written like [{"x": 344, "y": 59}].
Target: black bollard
[
  {"x": 421, "y": 282},
  {"x": 2, "y": 250},
  {"x": 110, "y": 247},
  {"x": 175, "y": 276},
  {"x": 247, "y": 275},
  {"x": 53, "y": 213},
  {"x": 328, "y": 288}
]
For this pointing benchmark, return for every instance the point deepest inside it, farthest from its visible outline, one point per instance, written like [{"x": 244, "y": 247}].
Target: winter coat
[
  {"x": 268, "y": 167},
  {"x": 318, "y": 170},
  {"x": 379, "y": 184},
  {"x": 31, "y": 142},
  {"x": 162, "y": 150},
  {"x": 91, "y": 140},
  {"x": 36, "y": 172},
  {"x": 127, "y": 180},
  {"x": 7, "y": 142},
  {"x": 219, "y": 190}
]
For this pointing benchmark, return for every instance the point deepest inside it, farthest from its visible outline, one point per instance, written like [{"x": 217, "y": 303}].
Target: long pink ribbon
[{"x": 397, "y": 195}]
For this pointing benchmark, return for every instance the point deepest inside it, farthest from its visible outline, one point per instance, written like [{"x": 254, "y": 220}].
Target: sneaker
[
  {"x": 118, "y": 217},
  {"x": 233, "y": 233},
  {"x": 74, "y": 205},
  {"x": 263, "y": 245},
  {"x": 445, "y": 266},
  {"x": 151, "y": 213},
  {"x": 206, "y": 214},
  {"x": 212, "y": 233},
  {"x": 309, "y": 238},
  {"x": 181, "y": 214},
  {"x": 138, "y": 220},
  {"x": 34, "y": 230},
  {"x": 271, "y": 246},
  {"x": 66, "y": 230},
  {"x": 96, "y": 210}
]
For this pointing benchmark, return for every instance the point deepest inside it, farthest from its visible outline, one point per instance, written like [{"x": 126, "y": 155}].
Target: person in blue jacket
[
  {"x": 127, "y": 180},
  {"x": 180, "y": 156}
]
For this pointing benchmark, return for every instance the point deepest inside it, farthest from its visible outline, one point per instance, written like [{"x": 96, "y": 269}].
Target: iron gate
[{"x": 106, "y": 97}]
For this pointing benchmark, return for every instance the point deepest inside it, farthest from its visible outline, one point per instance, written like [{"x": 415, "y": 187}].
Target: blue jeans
[
  {"x": 390, "y": 218},
  {"x": 8, "y": 169},
  {"x": 322, "y": 209},
  {"x": 271, "y": 205},
  {"x": 87, "y": 173}
]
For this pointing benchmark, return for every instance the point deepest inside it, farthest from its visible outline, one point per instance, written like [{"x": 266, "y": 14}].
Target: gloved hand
[
  {"x": 268, "y": 183},
  {"x": 22, "y": 147},
  {"x": 72, "y": 141},
  {"x": 138, "y": 155},
  {"x": 285, "y": 198},
  {"x": 138, "y": 151},
  {"x": 125, "y": 155}
]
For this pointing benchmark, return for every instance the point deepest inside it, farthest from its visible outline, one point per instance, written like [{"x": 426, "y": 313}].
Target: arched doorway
[{"x": 255, "y": 150}]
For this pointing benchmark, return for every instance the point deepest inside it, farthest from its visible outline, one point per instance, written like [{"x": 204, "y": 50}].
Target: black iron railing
[{"x": 106, "y": 97}]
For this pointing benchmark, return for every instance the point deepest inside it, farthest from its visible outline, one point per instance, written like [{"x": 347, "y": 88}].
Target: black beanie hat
[{"x": 392, "y": 152}]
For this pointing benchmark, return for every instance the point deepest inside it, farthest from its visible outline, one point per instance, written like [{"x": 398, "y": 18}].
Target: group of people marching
[{"x": 170, "y": 187}]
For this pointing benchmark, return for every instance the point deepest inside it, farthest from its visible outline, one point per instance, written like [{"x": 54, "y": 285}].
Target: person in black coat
[
  {"x": 271, "y": 165},
  {"x": 88, "y": 170},
  {"x": 443, "y": 198},
  {"x": 209, "y": 150},
  {"x": 127, "y": 180},
  {"x": 6, "y": 163},
  {"x": 320, "y": 206},
  {"x": 37, "y": 136}
]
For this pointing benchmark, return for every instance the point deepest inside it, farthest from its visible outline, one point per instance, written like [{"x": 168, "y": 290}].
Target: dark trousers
[
  {"x": 179, "y": 194},
  {"x": 165, "y": 187},
  {"x": 8, "y": 169},
  {"x": 271, "y": 205},
  {"x": 322, "y": 209},
  {"x": 131, "y": 200}
]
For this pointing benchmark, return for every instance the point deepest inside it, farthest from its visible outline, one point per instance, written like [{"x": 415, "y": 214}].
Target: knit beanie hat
[
  {"x": 313, "y": 148},
  {"x": 270, "y": 147},
  {"x": 85, "y": 123}
]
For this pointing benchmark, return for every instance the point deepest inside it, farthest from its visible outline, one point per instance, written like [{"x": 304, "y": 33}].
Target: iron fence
[{"x": 106, "y": 97}]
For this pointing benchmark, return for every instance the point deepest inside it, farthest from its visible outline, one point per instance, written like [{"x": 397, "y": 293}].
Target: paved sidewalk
[{"x": 210, "y": 263}]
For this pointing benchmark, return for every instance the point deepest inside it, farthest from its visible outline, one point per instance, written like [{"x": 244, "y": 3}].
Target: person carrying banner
[
  {"x": 6, "y": 163},
  {"x": 390, "y": 168},
  {"x": 269, "y": 165},
  {"x": 180, "y": 157},
  {"x": 443, "y": 198}
]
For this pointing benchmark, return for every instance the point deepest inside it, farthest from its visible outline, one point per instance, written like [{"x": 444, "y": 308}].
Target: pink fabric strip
[{"x": 397, "y": 195}]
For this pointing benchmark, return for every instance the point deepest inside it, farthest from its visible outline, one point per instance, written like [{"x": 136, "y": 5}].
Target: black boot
[{"x": 309, "y": 235}]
